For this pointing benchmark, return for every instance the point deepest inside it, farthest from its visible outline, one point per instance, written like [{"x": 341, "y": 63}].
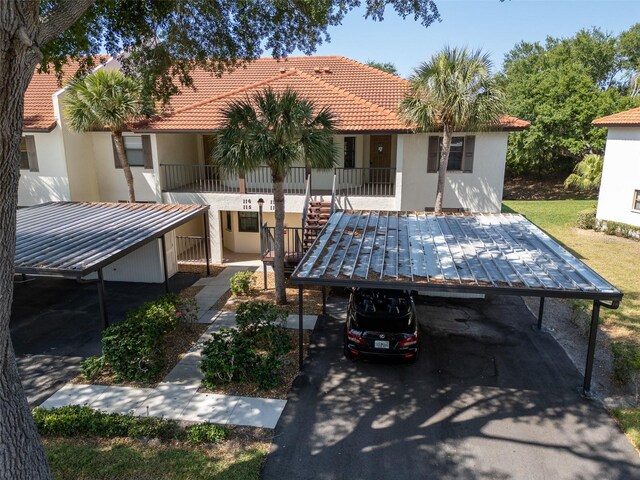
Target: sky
[{"x": 491, "y": 25}]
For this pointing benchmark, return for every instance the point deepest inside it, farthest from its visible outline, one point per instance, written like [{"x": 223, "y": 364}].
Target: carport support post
[
  {"x": 595, "y": 314},
  {"x": 102, "y": 299},
  {"x": 300, "y": 325},
  {"x": 540, "y": 313},
  {"x": 207, "y": 245},
  {"x": 165, "y": 270}
]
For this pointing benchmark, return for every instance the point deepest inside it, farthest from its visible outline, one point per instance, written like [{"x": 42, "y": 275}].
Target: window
[
  {"x": 636, "y": 200},
  {"x": 138, "y": 151},
  {"x": 460, "y": 154},
  {"x": 135, "y": 153},
  {"x": 248, "y": 222},
  {"x": 349, "y": 152},
  {"x": 228, "y": 220},
  {"x": 28, "y": 156}
]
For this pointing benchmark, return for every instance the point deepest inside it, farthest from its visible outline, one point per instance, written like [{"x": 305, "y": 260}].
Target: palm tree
[
  {"x": 453, "y": 91},
  {"x": 277, "y": 130},
  {"x": 108, "y": 99}
]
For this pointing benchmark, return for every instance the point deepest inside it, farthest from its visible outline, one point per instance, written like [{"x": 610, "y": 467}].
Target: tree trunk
[
  {"x": 118, "y": 141},
  {"x": 442, "y": 169},
  {"x": 278, "y": 260},
  {"x": 21, "y": 453}
]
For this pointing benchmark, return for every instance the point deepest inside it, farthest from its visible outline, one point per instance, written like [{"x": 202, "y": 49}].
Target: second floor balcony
[{"x": 346, "y": 182}]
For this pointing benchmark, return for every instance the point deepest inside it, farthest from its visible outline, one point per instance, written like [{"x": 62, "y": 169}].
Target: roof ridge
[
  {"x": 232, "y": 92},
  {"x": 369, "y": 103}
]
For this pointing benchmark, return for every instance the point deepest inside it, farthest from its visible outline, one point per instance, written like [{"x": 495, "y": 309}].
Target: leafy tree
[
  {"x": 108, "y": 99},
  {"x": 277, "y": 130},
  {"x": 561, "y": 86},
  {"x": 164, "y": 41},
  {"x": 587, "y": 174},
  {"x": 453, "y": 91},
  {"x": 384, "y": 66}
]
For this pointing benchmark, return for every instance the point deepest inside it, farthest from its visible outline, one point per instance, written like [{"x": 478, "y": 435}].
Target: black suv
[{"x": 381, "y": 323}]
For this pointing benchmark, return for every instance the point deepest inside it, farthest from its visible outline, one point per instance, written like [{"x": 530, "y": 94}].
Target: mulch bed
[
  {"x": 312, "y": 296},
  {"x": 289, "y": 373},
  {"x": 531, "y": 189},
  {"x": 178, "y": 343},
  {"x": 200, "y": 268}
]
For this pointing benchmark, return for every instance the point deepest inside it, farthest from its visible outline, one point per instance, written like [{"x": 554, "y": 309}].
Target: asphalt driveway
[
  {"x": 55, "y": 323},
  {"x": 490, "y": 397}
]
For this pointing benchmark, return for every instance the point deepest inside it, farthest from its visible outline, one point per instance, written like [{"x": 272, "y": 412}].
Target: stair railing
[
  {"x": 333, "y": 191},
  {"x": 307, "y": 199}
]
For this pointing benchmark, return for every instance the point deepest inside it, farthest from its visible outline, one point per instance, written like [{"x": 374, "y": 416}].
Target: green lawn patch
[
  {"x": 116, "y": 459},
  {"x": 629, "y": 420},
  {"x": 612, "y": 257}
]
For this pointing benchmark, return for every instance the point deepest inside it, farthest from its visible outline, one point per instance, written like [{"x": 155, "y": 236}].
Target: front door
[{"x": 380, "y": 158}]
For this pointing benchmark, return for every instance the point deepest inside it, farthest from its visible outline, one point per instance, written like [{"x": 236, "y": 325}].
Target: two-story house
[{"x": 382, "y": 163}]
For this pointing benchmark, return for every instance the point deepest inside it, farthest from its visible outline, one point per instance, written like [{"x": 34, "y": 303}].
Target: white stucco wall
[
  {"x": 50, "y": 183},
  {"x": 620, "y": 176},
  {"x": 478, "y": 191},
  {"x": 111, "y": 182}
]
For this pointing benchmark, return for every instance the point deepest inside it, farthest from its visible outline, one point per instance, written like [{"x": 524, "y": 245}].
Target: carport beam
[
  {"x": 595, "y": 315},
  {"x": 540, "y": 313},
  {"x": 300, "y": 325},
  {"x": 165, "y": 270},
  {"x": 102, "y": 298}
]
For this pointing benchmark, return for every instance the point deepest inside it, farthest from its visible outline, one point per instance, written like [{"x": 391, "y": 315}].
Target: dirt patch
[
  {"x": 312, "y": 295},
  {"x": 200, "y": 268},
  {"x": 178, "y": 343},
  {"x": 289, "y": 373},
  {"x": 191, "y": 291},
  {"x": 569, "y": 326},
  {"x": 529, "y": 189}
]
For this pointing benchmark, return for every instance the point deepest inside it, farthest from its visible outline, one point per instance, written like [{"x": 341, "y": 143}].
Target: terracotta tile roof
[
  {"x": 628, "y": 118},
  {"x": 38, "y": 104},
  {"x": 362, "y": 97}
]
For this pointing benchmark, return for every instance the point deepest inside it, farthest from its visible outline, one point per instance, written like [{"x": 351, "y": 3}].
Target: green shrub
[
  {"x": 621, "y": 229},
  {"x": 91, "y": 367},
  {"x": 586, "y": 219},
  {"x": 76, "y": 420},
  {"x": 626, "y": 361},
  {"x": 134, "y": 348},
  {"x": 252, "y": 352},
  {"x": 241, "y": 282},
  {"x": 206, "y": 433}
]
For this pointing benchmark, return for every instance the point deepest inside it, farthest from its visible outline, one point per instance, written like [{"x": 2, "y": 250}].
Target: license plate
[{"x": 381, "y": 343}]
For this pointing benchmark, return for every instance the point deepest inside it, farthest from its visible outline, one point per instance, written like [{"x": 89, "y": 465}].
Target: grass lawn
[
  {"x": 116, "y": 459},
  {"x": 629, "y": 420},
  {"x": 615, "y": 258}
]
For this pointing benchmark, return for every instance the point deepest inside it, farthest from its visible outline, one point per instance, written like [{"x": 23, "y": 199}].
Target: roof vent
[
  {"x": 326, "y": 70},
  {"x": 282, "y": 69},
  {"x": 317, "y": 70}
]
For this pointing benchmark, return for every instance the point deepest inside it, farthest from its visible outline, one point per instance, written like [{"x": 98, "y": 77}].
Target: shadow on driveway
[
  {"x": 55, "y": 323},
  {"x": 490, "y": 397}
]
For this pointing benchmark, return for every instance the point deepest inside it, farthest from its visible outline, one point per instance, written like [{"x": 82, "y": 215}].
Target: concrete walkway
[{"x": 176, "y": 397}]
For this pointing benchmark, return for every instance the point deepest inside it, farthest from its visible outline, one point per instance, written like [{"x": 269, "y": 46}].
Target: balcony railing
[
  {"x": 210, "y": 179},
  {"x": 191, "y": 249},
  {"x": 365, "y": 182}
]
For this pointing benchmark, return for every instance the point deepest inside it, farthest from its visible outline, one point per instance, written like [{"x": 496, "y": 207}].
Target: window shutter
[
  {"x": 146, "y": 151},
  {"x": 467, "y": 159},
  {"x": 31, "y": 153},
  {"x": 432, "y": 156},
  {"x": 116, "y": 162}
]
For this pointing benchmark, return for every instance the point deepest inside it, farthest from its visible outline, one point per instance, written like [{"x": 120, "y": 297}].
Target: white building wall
[
  {"x": 51, "y": 182},
  {"x": 111, "y": 182},
  {"x": 478, "y": 191},
  {"x": 620, "y": 176}
]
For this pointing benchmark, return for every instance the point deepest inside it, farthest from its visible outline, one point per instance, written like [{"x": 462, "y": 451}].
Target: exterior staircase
[{"x": 318, "y": 213}]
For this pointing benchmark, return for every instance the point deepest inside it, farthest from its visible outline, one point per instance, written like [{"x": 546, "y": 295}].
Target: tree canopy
[
  {"x": 561, "y": 86},
  {"x": 384, "y": 66}
]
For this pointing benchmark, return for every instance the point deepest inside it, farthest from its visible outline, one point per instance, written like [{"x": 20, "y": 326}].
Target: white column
[{"x": 399, "y": 165}]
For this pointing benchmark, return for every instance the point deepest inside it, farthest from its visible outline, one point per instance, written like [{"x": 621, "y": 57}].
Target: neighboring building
[
  {"x": 619, "y": 197},
  {"x": 382, "y": 164}
]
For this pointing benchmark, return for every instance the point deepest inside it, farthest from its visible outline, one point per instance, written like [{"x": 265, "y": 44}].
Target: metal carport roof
[
  {"x": 74, "y": 239},
  {"x": 502, "y": 254}
]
